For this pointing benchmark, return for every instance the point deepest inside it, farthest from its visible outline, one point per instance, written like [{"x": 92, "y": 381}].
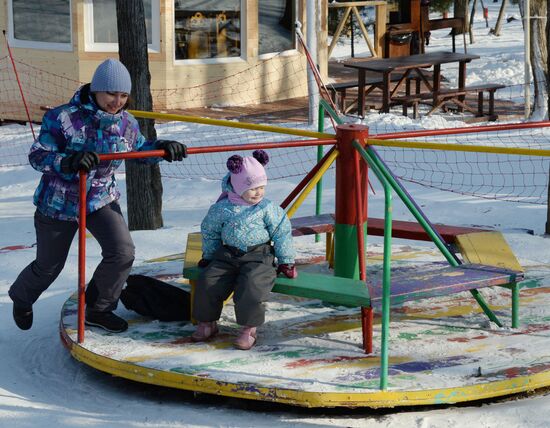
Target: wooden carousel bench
[
  {"x": 407, "y": 284},
  {"x": 324, "y": 223},
  {"x": 456, "y": 96},
  {"x": 438, "y": 279}
]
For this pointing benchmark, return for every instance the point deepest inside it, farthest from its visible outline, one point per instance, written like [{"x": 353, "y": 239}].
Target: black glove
[
  {"x": 174, "y": 150},
  {"x": 203, "y": 263},
  {"x": 79, "y": 160}
]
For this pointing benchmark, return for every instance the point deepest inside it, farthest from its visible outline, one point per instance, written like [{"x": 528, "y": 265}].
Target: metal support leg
[
  {"x": 366, "y": 325},
  {"x": 515, "y": 305},
  {"x": 481, "y": 301}
]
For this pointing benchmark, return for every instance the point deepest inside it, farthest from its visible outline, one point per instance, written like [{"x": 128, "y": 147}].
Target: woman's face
[{"x": 111, "y": 102}]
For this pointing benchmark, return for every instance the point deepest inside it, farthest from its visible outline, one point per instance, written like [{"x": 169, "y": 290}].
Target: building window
[
  {"x": 276, "y": 25},
  {"x": 45, "y": 24},
  {"x": 207, "y": 29},
  {"x": 101, "y": 25}
]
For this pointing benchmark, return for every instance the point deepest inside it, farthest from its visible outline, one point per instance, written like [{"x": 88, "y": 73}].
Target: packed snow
[{"x": 42, "y": 385}]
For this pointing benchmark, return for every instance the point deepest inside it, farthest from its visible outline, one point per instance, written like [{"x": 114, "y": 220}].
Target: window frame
[
  {"x": 223, "y": 60},
  {"x": 91, "y": 46},
  {"x": 288, "y": 52},
  {"x": 32, "y": 44}
]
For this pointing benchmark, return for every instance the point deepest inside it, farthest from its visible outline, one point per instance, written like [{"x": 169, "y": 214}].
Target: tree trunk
[
  {"x": 539, "y": 57},
  {"x": 496, "y": 32},
  {"x": 461, "y": 11},
  {"x": 143, "y": 182}
]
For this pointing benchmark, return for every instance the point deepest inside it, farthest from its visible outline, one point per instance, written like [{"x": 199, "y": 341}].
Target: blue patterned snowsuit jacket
[
  {"x": 244, "y": 226},
  {"x": 81, "y": 126}
]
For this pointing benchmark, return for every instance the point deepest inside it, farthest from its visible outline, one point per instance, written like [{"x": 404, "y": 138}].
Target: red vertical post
[
  {"x": 366, "y": 325},
  {"x": 81, "y": 254},
  {"x": 351, "y": 215},
  {"x": 346, "y": 220}
]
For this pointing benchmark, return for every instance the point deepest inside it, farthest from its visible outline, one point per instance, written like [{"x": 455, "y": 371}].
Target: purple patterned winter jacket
[{"x": 77, "y": 126}]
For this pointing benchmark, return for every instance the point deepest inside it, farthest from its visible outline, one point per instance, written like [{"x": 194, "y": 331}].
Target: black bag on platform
[{"x": 154, "y": 298}]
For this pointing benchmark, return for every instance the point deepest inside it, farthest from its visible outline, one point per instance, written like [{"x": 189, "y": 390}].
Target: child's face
[{"x": 253, "y": 196}]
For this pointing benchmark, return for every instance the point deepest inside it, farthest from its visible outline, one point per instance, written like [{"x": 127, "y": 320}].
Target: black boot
[
  {"x": 107, "y": 321},
  {"x": 22, "y": 316}
]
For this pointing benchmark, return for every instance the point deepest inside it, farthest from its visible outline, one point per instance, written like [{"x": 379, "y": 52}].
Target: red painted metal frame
[
  {"x": 464, "y": 130},
  {"x": 81, "y": 254},
  {"x": 345, "y": 210},
  {"x": 147, "y": 154},
  {"x": 19, "y": 84},
  {"x": 353, "y": 210}
]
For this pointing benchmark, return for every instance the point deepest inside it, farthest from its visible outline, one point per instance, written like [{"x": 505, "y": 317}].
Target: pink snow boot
[
  {"x": 205, "y": 331},
  {"x": 246, "y": 339}
]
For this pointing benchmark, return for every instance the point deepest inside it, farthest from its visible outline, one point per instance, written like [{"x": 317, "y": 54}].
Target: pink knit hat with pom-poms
[{"x": 248, "y": 172}]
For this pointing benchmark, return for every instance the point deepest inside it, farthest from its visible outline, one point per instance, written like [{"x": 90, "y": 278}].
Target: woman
[{"x": 71, "y": 137}]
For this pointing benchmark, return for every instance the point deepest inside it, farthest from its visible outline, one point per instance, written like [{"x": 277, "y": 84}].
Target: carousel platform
[{"x": 442, "y": 350}]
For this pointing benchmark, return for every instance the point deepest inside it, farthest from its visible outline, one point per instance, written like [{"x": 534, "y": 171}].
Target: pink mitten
[{"x": 287, "y": 270}]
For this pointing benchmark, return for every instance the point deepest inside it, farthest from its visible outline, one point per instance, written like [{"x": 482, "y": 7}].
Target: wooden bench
[
  {"x": 338, "y": 91},
  {"x": 436, "y": 279},
  {"x": 406, "y": 284},
  {"x": 324, "y": 223},
  {"x": 328, "y": 288},
  {"x": 456, "y": 96},
  {"x": 476, "y": 245}
]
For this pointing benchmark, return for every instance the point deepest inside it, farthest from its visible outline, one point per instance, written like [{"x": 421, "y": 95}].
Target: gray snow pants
[
  {"x": 249, "y": 275},
  {"x": 54, "y": 238}
]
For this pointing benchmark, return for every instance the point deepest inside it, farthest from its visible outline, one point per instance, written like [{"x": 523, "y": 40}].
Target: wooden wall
[{"x": 241, "y": 80}]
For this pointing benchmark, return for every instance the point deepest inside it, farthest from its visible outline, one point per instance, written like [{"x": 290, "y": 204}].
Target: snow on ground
[{"x": 42, "y": 385}]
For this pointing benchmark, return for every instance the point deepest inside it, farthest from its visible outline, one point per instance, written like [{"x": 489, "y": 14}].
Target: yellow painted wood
[
  {"x": 313, "y": 182},
  {"x": 193, "y": 250},
  {"x": 193, "y": 253},
  {"x": 371, "y": 399},
  {"x": 488, "y": 248},
  {"x": 169, "y": 258}
]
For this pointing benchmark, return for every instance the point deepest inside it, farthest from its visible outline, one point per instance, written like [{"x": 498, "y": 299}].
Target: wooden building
[{"x": 201, "y": 52}]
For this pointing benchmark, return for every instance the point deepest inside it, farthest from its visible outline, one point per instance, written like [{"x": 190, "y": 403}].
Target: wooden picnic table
[{"x": 408, "y": 64}]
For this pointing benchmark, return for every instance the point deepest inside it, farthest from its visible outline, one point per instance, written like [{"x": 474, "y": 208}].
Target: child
[{"x": 242, "y": 234}]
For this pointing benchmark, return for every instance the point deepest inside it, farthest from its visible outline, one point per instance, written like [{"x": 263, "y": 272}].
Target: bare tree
[
  {"x": 143, "y": 182},
  {"x": 461, "y": 11},
  {"x": 539, "y": 55}
]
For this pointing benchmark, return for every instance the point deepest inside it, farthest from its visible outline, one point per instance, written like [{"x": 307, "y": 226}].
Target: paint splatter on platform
[{"x": 442, "y": 350}]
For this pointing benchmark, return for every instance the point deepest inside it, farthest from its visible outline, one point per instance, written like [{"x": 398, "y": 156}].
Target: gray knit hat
[{"x": 111, "y": 76}]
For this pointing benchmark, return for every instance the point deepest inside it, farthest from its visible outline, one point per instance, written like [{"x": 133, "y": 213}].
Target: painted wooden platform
[{"x": 442, "y": 350}]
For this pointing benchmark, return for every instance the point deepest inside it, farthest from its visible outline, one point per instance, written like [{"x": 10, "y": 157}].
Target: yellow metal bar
[
  {"x": 230, "y": 124},
  {"x": 459, "y": 148},
  {"x": 318, "y": 175}
]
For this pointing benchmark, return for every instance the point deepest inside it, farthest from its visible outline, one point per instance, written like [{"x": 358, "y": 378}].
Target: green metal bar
[
  {"x": 323, "y": 106},
  {"x": 515, "y": 305},
  {"x": 386, "y": 270},
  {"x": 328, "y": 108},
  {"x": 430, "y": 231},
  {"x": 320, "y": 154},
  {"x": 434, "y": 236},
  {"x": 481, "y": 302}
]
